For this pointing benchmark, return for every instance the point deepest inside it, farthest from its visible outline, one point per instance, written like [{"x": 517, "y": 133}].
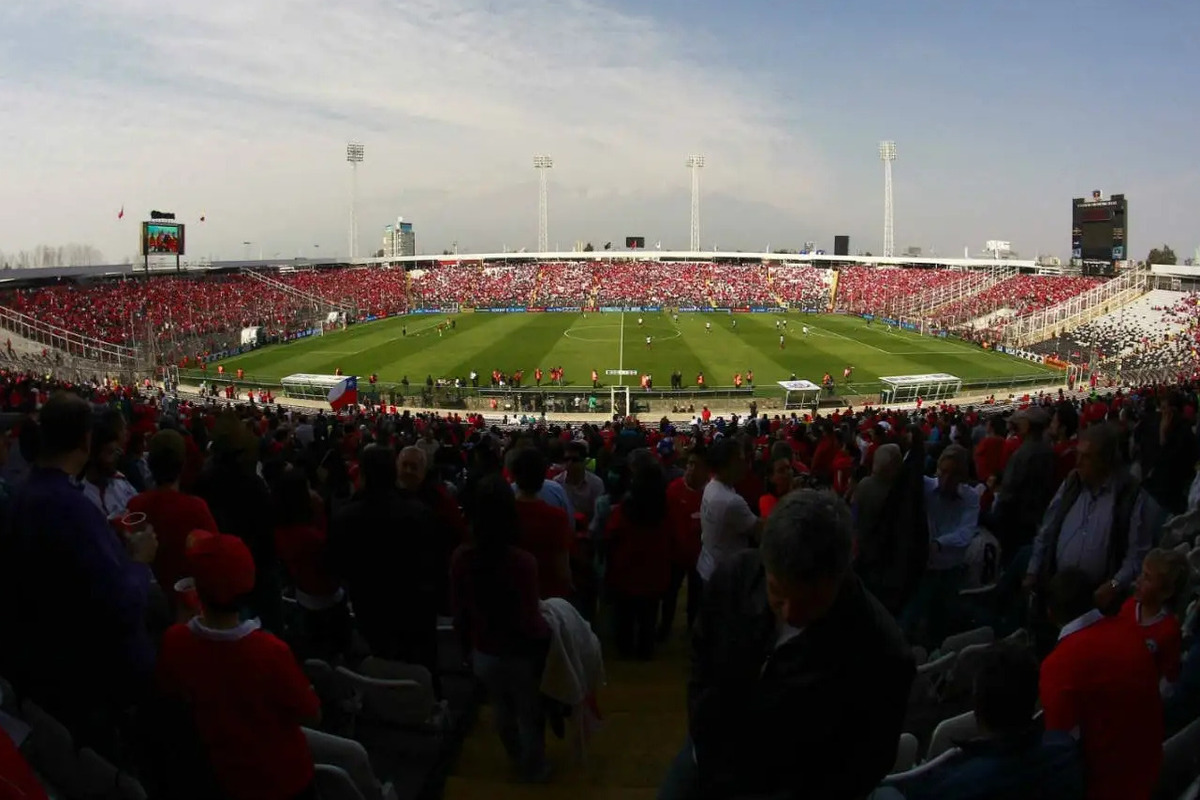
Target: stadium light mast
[
  {"x": 354, "y": 155},
  {"x": 695, "y": 164},
  {"x": 542, "y": 164},
  {"x": 887, "y": 154}
]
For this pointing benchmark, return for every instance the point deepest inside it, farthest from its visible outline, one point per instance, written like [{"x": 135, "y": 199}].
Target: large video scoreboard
[{"x": 1099, "y": 237}]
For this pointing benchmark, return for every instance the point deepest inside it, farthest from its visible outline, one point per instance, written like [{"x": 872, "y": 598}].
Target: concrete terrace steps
[{"x": 644, "y": 707}]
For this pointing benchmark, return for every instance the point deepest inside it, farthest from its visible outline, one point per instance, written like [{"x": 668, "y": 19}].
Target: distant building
[{"x": 399, "y": 239}]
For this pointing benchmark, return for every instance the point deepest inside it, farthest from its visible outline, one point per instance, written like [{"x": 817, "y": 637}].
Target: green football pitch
[{"x": 617, "y": 341}]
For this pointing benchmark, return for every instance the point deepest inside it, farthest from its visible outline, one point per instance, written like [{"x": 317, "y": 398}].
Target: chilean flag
[{"x": 344, "y": 393}]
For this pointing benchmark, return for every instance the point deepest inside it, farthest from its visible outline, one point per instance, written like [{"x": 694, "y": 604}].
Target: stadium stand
[
  {"x": 304, "y": 496},
  {"x": 874, "y": 290},
  {"x": 1157, "y": 332},
  {"x": 1014, "y": 297}
]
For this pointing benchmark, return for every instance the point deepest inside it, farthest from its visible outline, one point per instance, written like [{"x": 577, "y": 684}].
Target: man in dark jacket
[
  {"x": 383, "y": 543},
  {"x": 1027, "y": 484},
  {"x": 800, "y": 678},
  {"x": 73, "y": 593}
]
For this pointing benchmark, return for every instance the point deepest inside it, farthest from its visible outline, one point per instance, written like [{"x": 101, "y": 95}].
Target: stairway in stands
[{"x": 645, "y": 721}]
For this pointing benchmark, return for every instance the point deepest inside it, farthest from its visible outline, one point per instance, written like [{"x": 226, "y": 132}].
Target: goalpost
[{"x": 619, "y": 400}]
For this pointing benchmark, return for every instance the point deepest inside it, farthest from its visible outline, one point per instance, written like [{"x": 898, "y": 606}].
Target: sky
[{"x": 240, "y": 112}]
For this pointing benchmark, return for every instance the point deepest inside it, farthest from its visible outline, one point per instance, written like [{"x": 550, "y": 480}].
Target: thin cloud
[{"x": 241, "y": 109}]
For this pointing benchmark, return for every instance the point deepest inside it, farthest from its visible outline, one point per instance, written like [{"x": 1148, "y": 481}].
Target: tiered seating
[
  {"x": 805, "y": 286},
  {"x": 883, "y": 290},
  {"x": 1159, "y": 330},
  {"x": 737, "y": 286},
  {"x": 374, "y": 292},
  {"x": 1016, "y": 296},
  {"x": 212, "y": 310},
  {"x": 470, "y": 285},
  {"x": 564, "y": 284}
]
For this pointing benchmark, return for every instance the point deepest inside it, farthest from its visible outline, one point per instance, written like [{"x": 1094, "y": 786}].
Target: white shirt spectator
[
  {"x": 583, "y": 496},
  {"x": 726, "y": 523},
  {"x": 113, "y": 499}
]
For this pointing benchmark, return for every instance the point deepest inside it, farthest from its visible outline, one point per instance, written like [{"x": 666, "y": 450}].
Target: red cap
[{"x": 221, "y": 566}]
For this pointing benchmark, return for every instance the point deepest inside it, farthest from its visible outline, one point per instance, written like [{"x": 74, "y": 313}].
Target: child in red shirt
[
  {"x": 243, "y": 686},
  {"x": 1152, "y": 608}
]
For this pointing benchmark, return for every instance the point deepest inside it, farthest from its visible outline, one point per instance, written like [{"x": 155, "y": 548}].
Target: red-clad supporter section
[
  {"x": 1016, "y": 297},
  {"x": 875, "y": 290}
]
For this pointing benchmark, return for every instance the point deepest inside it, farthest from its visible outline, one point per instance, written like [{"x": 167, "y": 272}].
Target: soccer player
[
  {"x": 735, "y": 324},
  {"x": 708, "y": 327},
  {"x": 648, "y": 343},
  {"x": 675, "y": 318},
  {"x": 804, "y": 330},
  {"x": 781, "y": 341},
  {"x": 640, "y": 322}
]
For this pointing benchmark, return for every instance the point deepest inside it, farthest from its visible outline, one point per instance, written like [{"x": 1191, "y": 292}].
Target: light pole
[
  {"x": 543, "y": 164},
  {"x": 354, "y": 155},
  {"x": 695, "y": 163},
  {"x": 887, "y": 154}
]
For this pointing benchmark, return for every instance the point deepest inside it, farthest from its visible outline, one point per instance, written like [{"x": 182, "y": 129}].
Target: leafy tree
[
  {"x": 1162, "y": 255},
  {"x": 867, "y": 254},
  {"x": 379, "y": 253},
  {"x": 587, "y": 248}
]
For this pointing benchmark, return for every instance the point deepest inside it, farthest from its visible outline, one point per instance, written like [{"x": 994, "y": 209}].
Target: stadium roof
[{"x": 823, "y": 259}]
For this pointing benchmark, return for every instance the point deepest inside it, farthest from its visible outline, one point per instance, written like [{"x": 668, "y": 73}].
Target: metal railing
[
  {"x": 68, "y": 342},
  {"x": 1077, "y": 310},
  {"x": 292, "y": 291}
]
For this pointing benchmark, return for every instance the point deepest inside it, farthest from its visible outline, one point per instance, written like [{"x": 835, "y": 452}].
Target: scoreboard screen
[{"x": 1098, "y": 238}]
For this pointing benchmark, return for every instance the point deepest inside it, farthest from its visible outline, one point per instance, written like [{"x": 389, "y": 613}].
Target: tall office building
[{"x": 399, "y": 239}]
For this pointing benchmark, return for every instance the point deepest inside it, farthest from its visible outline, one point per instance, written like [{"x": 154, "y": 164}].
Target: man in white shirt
[{"x": 727, "y": 524}]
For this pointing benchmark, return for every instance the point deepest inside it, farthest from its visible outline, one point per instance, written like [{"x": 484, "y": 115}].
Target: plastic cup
[
  {"x": 133, "y": 522},
  {"x": 185, "y": 592}
]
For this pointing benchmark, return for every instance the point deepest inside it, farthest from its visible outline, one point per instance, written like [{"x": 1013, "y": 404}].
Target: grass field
[{"x": 579, "y": 343}]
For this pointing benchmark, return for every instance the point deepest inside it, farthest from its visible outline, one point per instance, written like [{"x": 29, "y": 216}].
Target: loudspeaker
[{"x": 841, "y": 245}]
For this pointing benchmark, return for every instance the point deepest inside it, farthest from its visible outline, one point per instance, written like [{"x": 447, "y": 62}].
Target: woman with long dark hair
[
  {"x": 638, "y": 538},
  {"x": 494, "y": 596}
]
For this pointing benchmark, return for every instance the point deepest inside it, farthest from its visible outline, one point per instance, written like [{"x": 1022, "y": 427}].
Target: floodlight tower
[
  {"x": 695, "y": 164},
  {"x": 542, "y": 164},
  {"x": 887, "y": 154},
  {"x": 354, "y": 155}
]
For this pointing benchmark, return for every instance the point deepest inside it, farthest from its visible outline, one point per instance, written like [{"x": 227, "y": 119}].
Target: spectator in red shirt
[
  {"x": 172, "y": 513},
  {"x": 638, "y": 539},
  {"x": 1101, "y": 681},
  {"x": 1154, "y": 609},
  {"x": 301, "y": 541},
  {"x": 989, "y": 453},
  {"x": 494, "y": 594},
  {"x": 245, "y": 691},
  {"x": 546, "y": 531},
  {"x": 683, "y": 504}
]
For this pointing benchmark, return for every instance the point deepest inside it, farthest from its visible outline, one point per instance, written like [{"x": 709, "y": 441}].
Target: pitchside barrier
[{"x": 449, "y": 396}]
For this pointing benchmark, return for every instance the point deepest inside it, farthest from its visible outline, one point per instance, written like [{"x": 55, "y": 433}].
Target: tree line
[{"x": 44, "y": 255}]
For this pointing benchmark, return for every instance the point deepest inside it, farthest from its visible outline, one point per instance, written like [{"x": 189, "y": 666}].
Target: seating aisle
[{"x": 645, "y": 720}]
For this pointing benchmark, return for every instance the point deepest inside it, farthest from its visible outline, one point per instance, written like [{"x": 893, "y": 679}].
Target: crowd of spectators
[
  {"x": 1157, "y": 334},
  {"x": 803, "y": 286},
  {"x": 1015, "y": 297},
  {"x": 474, "y": 285},
  {"x": 847, "y": 576},
  {"x": 891, "y": 291}
]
